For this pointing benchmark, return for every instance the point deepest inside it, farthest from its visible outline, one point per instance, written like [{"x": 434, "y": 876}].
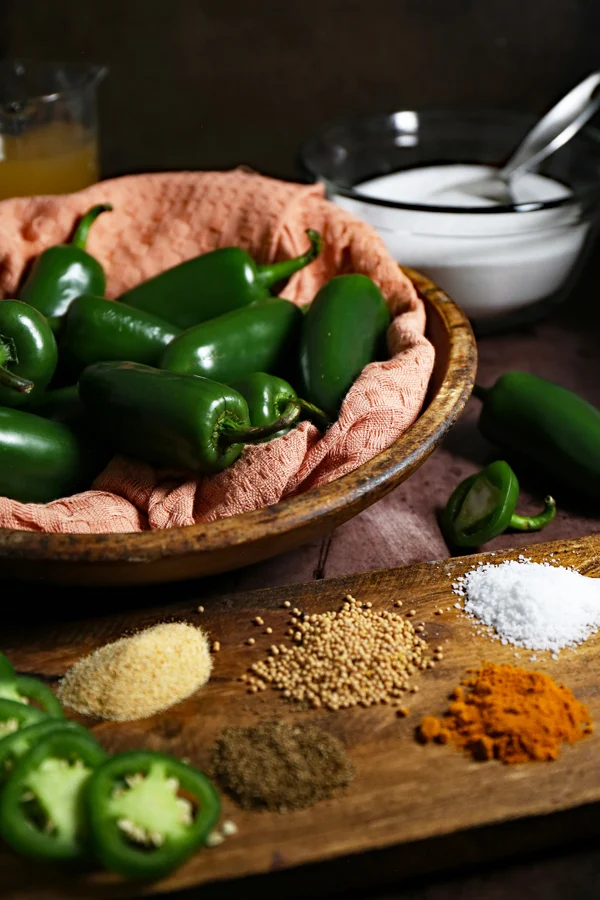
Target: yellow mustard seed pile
[
  {"x": 137, "y": 676},
  {"x": 355, "y": 656}
]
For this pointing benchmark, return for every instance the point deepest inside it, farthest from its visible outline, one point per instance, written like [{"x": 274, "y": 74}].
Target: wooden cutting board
[{"x": 411, "y": 809}]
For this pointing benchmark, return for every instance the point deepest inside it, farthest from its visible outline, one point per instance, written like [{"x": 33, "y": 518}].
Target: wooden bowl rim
[{"x": 288, "y": 515}]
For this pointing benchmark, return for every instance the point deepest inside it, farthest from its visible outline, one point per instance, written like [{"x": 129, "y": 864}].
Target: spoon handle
[{"x": 557, "y": 127}]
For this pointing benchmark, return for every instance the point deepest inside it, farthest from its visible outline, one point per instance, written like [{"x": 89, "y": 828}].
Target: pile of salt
[{"x": 537, "y": 606}]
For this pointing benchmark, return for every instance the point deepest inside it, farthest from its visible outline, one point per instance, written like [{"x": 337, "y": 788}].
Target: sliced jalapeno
[
  {"x": 23, "y": 689},
  {"x": 483, "y": 506},
  {"x": 6, "y": 667},
  {"x": 148, "y": 812},
  {"x": 41, "y": 806},
  {"x": 14, "y": 716},
  {"x": 14, "y": 746}
]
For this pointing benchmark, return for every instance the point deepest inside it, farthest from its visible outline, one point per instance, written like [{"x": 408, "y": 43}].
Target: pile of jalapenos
[
  {"x": 181, "y": 371},
  {"x": 64, "y": 799}
]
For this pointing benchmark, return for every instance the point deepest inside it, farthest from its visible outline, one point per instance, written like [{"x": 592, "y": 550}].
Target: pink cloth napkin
[{"x": 160, "y": 220}]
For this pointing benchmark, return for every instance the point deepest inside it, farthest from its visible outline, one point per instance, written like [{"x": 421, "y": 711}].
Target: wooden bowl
[{"x": 175, "y": 554}]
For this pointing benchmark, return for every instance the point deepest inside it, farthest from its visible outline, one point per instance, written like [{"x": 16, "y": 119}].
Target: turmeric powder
[{"x": 509, "y": 714}]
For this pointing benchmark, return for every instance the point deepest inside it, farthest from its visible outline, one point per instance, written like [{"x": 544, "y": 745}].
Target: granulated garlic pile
[
  {"x": 137, "y": 676},
  {"x": 355, "y": 656}
]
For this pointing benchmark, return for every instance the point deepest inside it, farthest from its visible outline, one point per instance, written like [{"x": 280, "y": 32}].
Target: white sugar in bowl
[{"x": 407, "y": 174}]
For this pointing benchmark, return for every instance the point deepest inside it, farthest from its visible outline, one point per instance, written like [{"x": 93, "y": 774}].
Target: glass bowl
[{"x": 505, "y": 265}]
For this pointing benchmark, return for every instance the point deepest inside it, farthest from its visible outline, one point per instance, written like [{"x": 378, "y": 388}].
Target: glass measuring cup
[{"x": 48, "y": 127}]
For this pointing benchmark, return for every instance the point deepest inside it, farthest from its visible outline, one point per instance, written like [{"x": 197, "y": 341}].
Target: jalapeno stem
[
  {"x": 80, "y": 236},
  {"x": 254, "y": 434},
  {"x": 535, "y": 523},
  {"x": 8, "y": 354},
  {"x": 15, "y": 382},
  {"x": 232, "y": 435},
  {"x": 312, "y": 412},
  {"x": 270, "y": 274}
]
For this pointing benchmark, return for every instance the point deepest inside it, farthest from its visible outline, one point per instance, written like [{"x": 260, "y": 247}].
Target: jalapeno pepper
[
  {"x": 14, "y": 715},
  {"x": 14, "y": 746},
  {"x": 23, "y": 689},
  {"x": 342, "y": 332},
  {"x": 258, "y": 338},
  {"x": 28, "y": 353},
  {"x": 269, "y": 397},
  {"x": 6, "y": 667},
  {"x": 41, "y": 460},
  {"x": 546, "y": 427},
  {"x": 172, "y": 420},
  {"x": 148, "y": 813},
  {"x": 41, "y": 807},
  {"x": 483, "y": 506},
  {"x": 64, "y": 272},
  {"x": 98, "y": 330},
  {"x": 213, "y": 284}
]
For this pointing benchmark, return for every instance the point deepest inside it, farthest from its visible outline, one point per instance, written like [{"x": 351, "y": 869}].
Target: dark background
[{"x": 215, "y": 83}]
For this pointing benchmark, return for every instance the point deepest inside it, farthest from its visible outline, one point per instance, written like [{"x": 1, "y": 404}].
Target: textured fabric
[{"x": 161, "y": 220}]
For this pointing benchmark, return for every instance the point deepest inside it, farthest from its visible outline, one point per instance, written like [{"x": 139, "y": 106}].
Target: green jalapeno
[
  {"x": 41, "y": 807},
  {"x": 269, "y": 397},
  {"x": 6, "y": 667},
  {"x": 148, "y": 812},
  {"x": 343, "y": 331},
  {"x": 23, "y": 689},
  {"x": 14, "y": 746},
  {"x": 98, "y": 330},
  {"x": 42, "y": 460},
  {"x": 213, "y": 284},
  {"x": 546, "y": 427},
  {"x": 28, "y": 353},
  {"x": 15, "y": 715},
  {"x": 483, "y": 506},
  {"x": 64, "y": 272},
  {"x": 172, "y": 420},
  {"x": 259, "y": 338}
]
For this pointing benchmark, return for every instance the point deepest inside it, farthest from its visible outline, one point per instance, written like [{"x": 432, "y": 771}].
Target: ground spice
[
  {"x": 345, "y": 658},
  {"x": 137, "y": 676},
  {"x": 280, "y": 766},
  {"x": 509, "y": 714}
]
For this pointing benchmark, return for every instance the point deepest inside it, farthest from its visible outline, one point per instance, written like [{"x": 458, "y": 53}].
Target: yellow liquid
[{"x": 54, "y": 159}]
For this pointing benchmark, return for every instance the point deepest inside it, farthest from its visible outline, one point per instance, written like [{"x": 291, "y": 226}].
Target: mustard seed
[{"x": 345, "y": 658}]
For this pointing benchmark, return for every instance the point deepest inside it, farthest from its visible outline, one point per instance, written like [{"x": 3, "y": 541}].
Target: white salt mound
[{"x": 534, "y": 605}]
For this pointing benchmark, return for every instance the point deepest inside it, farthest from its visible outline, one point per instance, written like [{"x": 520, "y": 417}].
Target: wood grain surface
[
  {"x": 410, "y": 808},
  {"x": 175, "y": 554}
]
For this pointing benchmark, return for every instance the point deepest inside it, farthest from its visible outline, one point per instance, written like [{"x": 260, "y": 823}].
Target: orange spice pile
[{"x": 509, "y": 714}]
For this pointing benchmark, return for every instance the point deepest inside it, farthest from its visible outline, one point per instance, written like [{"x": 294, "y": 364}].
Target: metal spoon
[{"x": 553, "y": 131}]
